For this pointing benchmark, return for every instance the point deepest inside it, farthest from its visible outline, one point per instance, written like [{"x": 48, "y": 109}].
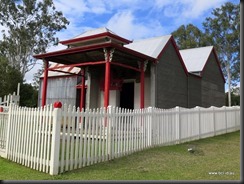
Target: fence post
[
  {"x": 55, "y": 142},
  {"x": 177, "y": 125},
  {"x": 214, "y": 123},
  {"x": 150, "y": 126},
  {"x": 235, "y": 116},
  {"x": 109, "y": 132},
  {"x": 199, "y": 121},
  {"x": 8, "y": 130},
  {"x": 225, "y": 120}
]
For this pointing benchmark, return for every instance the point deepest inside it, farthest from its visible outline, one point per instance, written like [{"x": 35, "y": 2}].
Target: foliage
[
  {"x": 28, "y": 96},
  {"x": 31, "y": 26},
  {"x": 9, "y": 78},
  {"x": 189, "y": 36},
  {"x": 223, "y": 31},
  {"x": 36, "y": 78},
  {"x": 235, "y": 99}
]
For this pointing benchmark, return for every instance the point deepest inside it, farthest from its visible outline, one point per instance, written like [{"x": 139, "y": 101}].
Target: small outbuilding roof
[
  {"x": 196, "y": 58},
  {"x": 151, "y": 47},
  {"x": 67, "y": 71}
]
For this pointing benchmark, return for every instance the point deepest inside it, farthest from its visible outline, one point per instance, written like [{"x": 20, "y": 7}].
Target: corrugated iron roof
[
  {"x": 71, "y": 70},
  {"x": 151, "y": 47},
  {"x": 196, "y": 58}
]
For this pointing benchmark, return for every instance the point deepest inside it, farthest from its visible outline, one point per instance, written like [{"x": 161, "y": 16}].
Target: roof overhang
[{"x": 92, "y": 53}]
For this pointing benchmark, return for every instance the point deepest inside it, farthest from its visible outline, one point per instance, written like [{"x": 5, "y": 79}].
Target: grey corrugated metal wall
[
  {"x": 212, "y": 85},
  {"x": 60, "y": 89},
  {"x": 194, "y": 91},
  {"x": 171, "y": 80}
]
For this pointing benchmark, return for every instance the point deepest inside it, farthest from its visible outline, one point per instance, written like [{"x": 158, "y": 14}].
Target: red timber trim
[
  {"x": 44, "y": 84},
  {"x": 107, "y": 79},
  {"x": 126, "y": 66},
  {"x": 171, "y": 40},
  {"x": 82, "y": 97},
  {"x": 59, "y": 76},
  {"x": 72, "y": 50},
  {"x": 80, "y": 86},
  {"x": 218, "y": 63},
  {"x": 142, "y": 86},
  {"x": 63, "y": 72},
  {"x": 76, "y": 40}
]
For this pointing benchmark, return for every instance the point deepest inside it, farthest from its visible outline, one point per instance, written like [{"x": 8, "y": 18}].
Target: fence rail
[{"x": 55, "y": 140}]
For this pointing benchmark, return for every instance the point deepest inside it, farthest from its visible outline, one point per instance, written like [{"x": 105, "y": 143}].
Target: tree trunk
[{"x": 229, "y": 82}]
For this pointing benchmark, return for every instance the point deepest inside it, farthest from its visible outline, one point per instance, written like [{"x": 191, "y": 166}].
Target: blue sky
[{"x": 132, "y": 19}]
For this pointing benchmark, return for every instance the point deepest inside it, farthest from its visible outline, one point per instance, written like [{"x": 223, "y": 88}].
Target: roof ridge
[
  {"x": 197, "y": 48},
  {"x": 151, "y": 38},
  {"x": 95, "y": 31}
]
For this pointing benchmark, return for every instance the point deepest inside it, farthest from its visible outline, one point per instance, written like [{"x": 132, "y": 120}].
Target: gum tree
[
  {"x": 223, "y": 31},
  {"x": 30, "y": 28}
]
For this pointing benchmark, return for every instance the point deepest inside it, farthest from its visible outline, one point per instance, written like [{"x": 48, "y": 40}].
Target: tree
[
  {"x": 189, "y": 36},
  {"x": 234, "y": 98},
  {"x": 9, "y": 78},
  {"x": 223, "y": 31},
  {"x": 36, "y": 78},
  {"x": 28, "y": 95},
  {"x": 31, "y": 27}
]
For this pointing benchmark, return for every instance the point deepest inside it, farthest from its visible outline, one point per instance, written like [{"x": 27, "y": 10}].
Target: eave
[{"x": 81, "y": 49}]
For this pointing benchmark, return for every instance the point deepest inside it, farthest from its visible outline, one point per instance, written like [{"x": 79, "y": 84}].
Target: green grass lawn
[{"x": 220, "y": 155}]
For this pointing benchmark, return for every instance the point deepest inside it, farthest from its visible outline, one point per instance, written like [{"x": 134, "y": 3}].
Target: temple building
[{"x": 100, "y": 68}]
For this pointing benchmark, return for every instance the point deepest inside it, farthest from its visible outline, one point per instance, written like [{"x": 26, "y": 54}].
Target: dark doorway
[{"x": 127, "y": 96}]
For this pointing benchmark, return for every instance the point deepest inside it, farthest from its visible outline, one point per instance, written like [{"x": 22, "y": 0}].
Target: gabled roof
[
  {"x": 154, "y": 47},
  {"x": 196, "y": 58},
  {"x": 151, "y": 47}
]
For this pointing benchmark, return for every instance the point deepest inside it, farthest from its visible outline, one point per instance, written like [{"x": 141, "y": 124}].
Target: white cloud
[
  {"x": 98, "y": 7},
  {"x": 162, "y": 3},
  {"x": 188, "y": 9},
  {"x": 197, "y": 8},
  {"x": 130, "y": 19},
  {"x": 126, "y": 25},
  {"x": 71, "y": 7}
]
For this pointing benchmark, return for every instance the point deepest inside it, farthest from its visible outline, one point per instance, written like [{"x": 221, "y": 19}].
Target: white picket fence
[
  {"x": 54, "y": 140},
  {"x": 11, "y": 98}
]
